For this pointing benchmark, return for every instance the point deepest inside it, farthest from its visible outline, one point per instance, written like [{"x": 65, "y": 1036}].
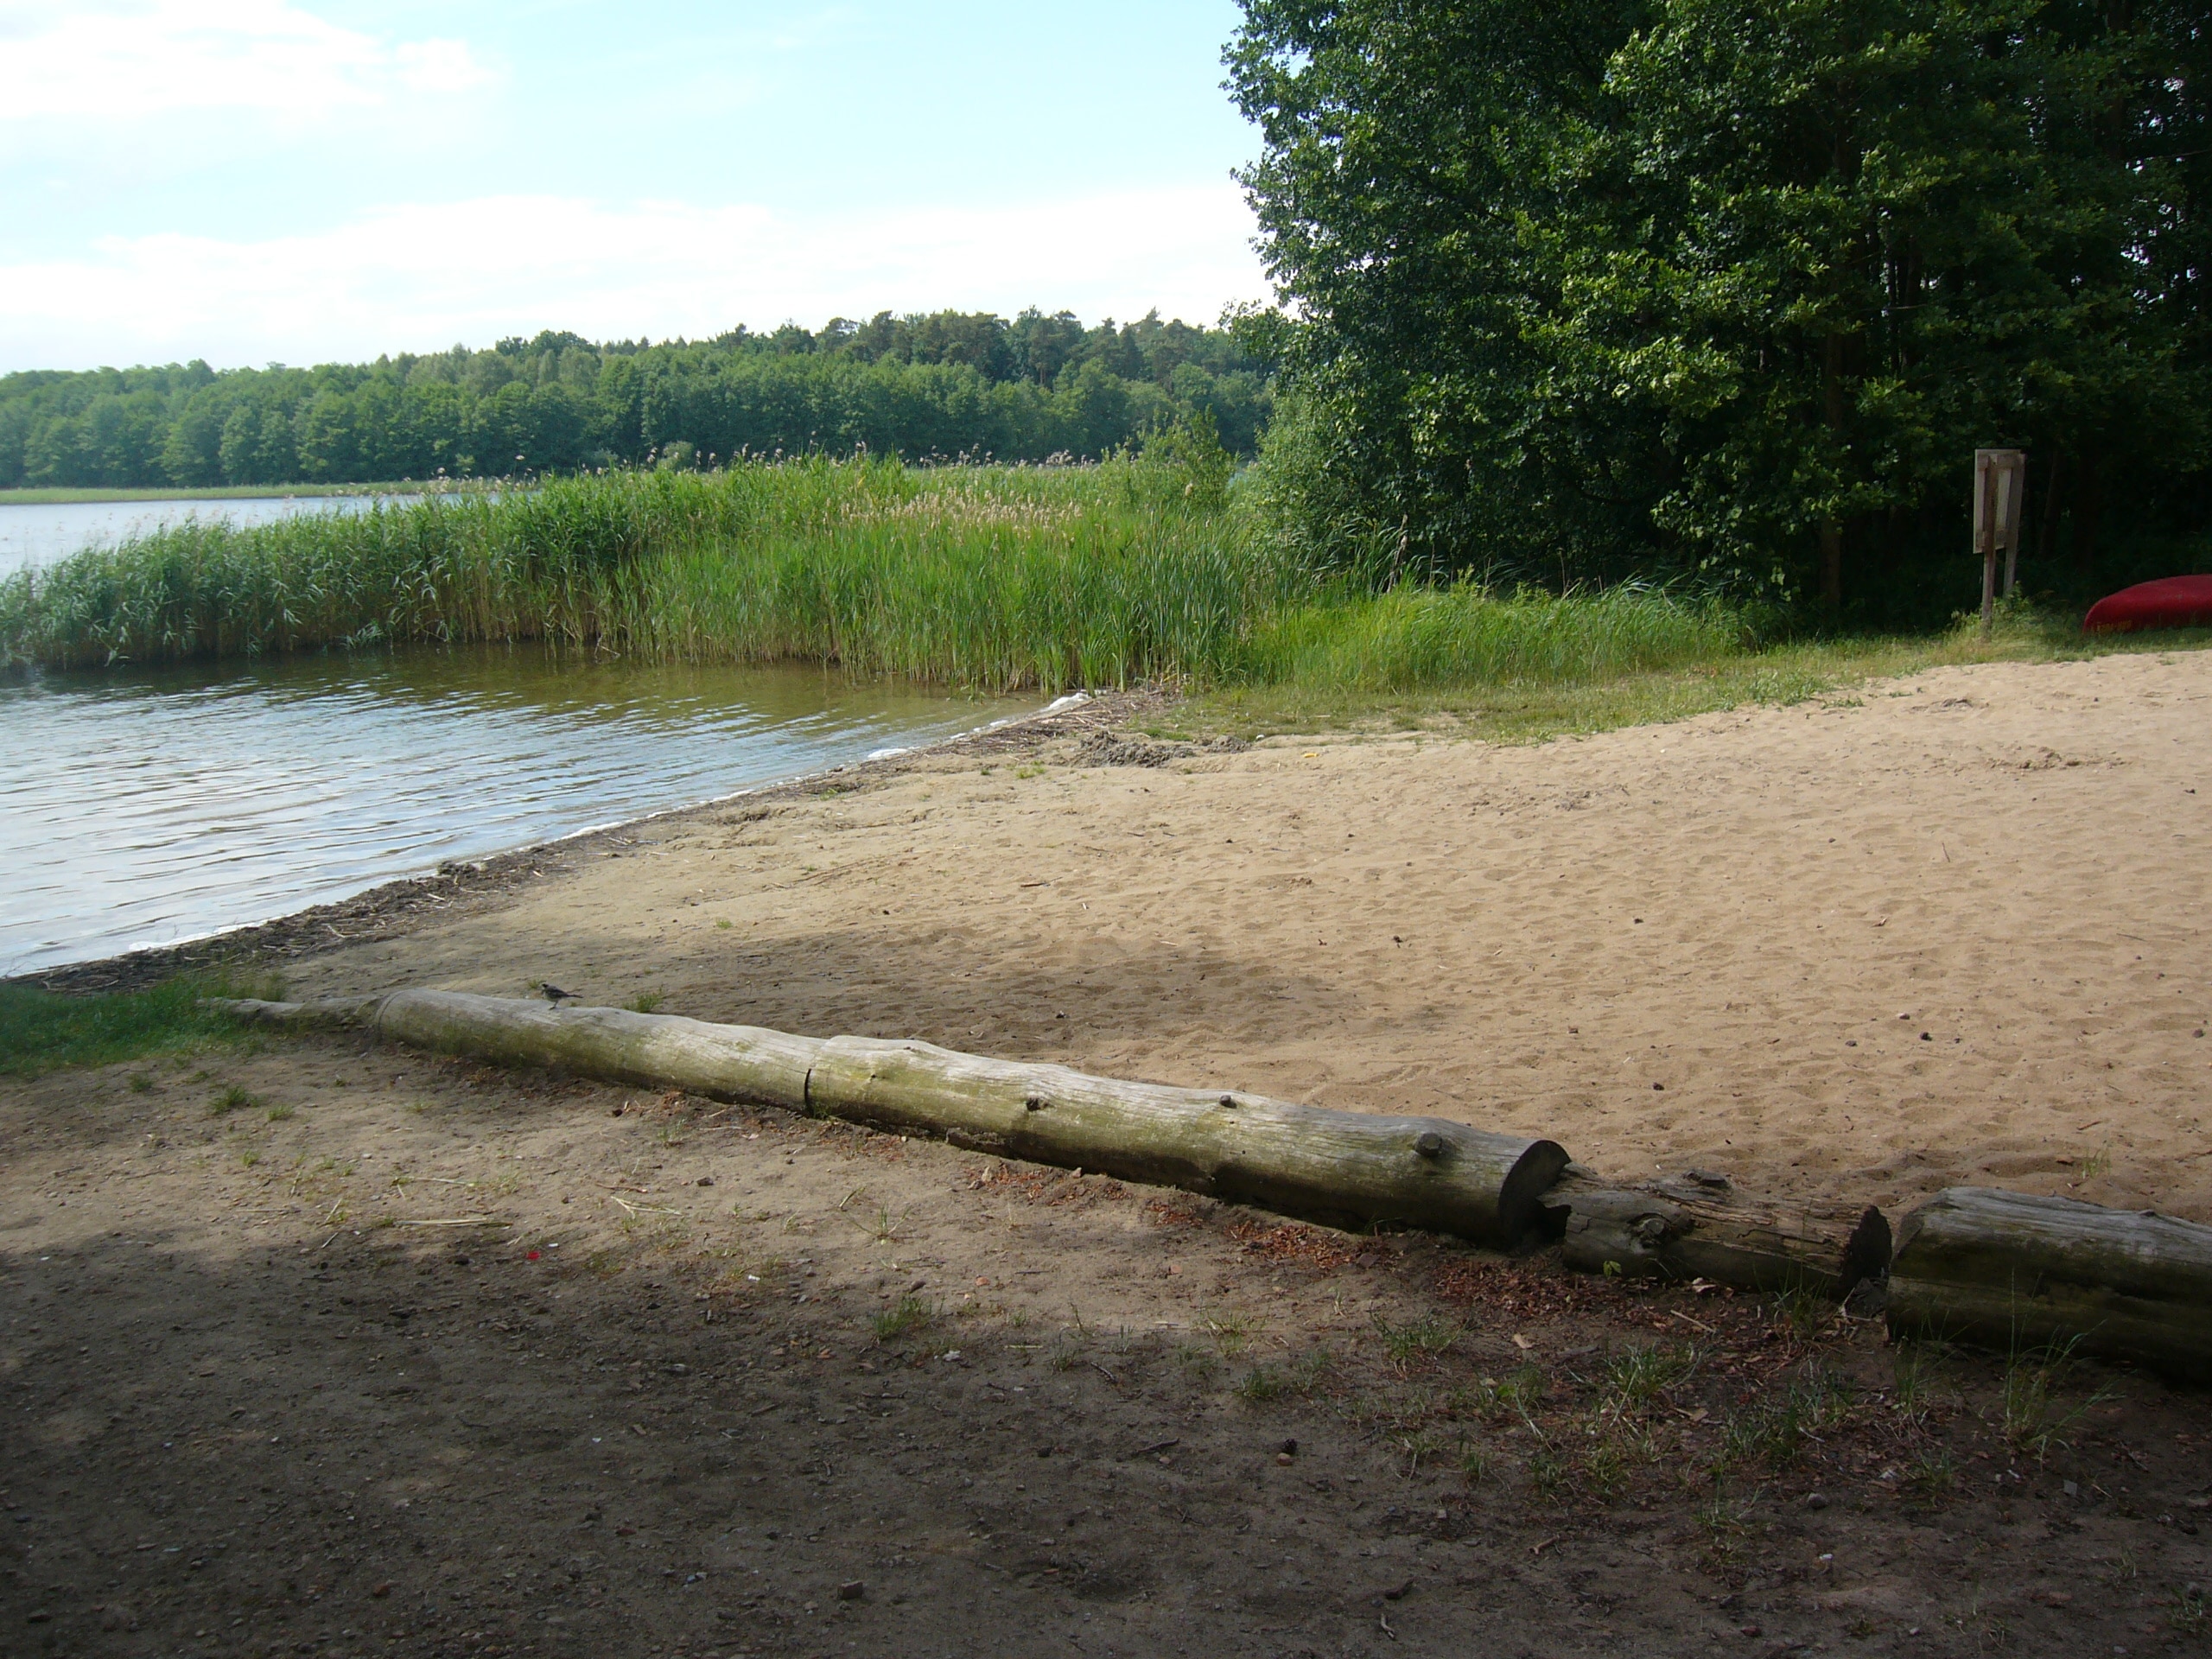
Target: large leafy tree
[{"x": 1727, "y": 285}]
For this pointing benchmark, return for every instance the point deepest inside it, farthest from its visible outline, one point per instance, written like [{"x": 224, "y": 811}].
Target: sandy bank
[{"x": 1944, "y": 929}]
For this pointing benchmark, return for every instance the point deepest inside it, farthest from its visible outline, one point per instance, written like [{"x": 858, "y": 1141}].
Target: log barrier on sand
[{"x": 1971, "y": 1264}]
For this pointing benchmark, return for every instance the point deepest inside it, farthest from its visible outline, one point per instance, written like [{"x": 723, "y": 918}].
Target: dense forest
[
  {"x": 945, "y": 386},
  {"x": 1733, "y": 288}
]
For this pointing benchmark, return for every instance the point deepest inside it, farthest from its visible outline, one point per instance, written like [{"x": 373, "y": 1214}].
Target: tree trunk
[
  {"x": 654, "y": 1051},
  {"x": 1697, "y": 1226},
  {"x": 2016, "y": 1272},
  {"x": 1340, "y": 1167}
]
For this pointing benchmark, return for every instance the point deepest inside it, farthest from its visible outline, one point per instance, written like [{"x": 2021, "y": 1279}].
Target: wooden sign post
[{"x": 2001, "y": 478}]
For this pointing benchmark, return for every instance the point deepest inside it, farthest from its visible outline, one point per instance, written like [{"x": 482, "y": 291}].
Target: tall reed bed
[{"x": 1004, "y": 578}]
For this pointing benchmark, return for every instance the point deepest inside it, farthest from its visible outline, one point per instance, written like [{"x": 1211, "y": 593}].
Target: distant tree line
[
  {"x": 943, "y": 385},
  {"x": 1591, "y": 288}
]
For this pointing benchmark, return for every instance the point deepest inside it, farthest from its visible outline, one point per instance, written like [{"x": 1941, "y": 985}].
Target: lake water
[
  {"x": 144, "y": 809},
  {"x": 39, "y": 535}
]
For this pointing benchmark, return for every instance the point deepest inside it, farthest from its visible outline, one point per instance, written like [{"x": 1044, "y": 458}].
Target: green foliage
[
  {"x": 42, "y": 1030},
  {"x": 1412, "y": 636},
  {"x": 2031, "y": 1418},
  {"x": 1000, "y": 576},
  {"x": 952, "y": 383},
  {"x": 912, "y": 1313},
  {"x": 1635, "y": 1379},
  {"x": 1423, "y": 1338},
  {"x": 1731, "y": 287}
]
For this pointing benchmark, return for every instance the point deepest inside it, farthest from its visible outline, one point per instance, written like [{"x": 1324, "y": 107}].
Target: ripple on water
[{"x": 141, "y": 809}]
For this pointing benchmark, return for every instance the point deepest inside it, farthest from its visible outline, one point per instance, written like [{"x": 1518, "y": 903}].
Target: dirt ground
[
  {"x": 379, "y": 1355},
  {"x": 342, "y": 1351}
]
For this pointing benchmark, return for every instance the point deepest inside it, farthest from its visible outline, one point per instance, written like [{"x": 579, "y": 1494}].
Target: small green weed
[
  {"x": 1230, "y": 1333},
  {"x": 1199, "y": 1363},
  {"x": 249, "y": 1158},
  {"x": 229, "y": 1100},
  {"x": 1301, "y": 1376},
  {"x": 1259, "y": 1384},
  {"x": 1643, "y": 1374},
  {"x": 1604, "y": 1469},
  {"x": 1933, "y": 1473},
  {"x": 724, "y": 921},
  {"x": 646, "y": 1001},
  {"x": 1722, "y": 1518},
  {"x": 1801, "y": 1311},
  {"x": 1417, "y": 1445},
  {"x": 1420, "y": 1338},
  {"x": 912, "y": 1313},
  {"x": 1915, "y": 1382},
  {"x": 279, "y": 1112},
  {"x": 2030, "y": 1422},
  {"x": 2185, "y": 1617},
  {"x": 1774, "y": 1431},
  {"x": 1551, "y": 1477},
  {"x": 1501, "y": 1401}
]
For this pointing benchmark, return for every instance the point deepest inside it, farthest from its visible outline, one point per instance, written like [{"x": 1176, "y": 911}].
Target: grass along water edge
[
  {"x": 1003, "y": 578},
  {"x": 1007, "y": 578}
]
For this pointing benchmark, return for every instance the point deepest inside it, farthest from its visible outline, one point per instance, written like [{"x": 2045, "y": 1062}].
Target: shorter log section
[
  {"x": 655, "y": 1051},
  {"x": 2017, "y": 1272},
  {"x": 1339, "y": 1167},
  {"x": 1344, "y": 1168},
  {"x": 1697, "y": 1226}
]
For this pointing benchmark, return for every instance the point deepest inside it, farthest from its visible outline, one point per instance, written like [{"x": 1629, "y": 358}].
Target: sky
[{"x": 309, "y": 180}]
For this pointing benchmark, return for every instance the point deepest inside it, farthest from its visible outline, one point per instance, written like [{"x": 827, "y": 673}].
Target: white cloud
[
  {"x": 422, "y": 276},
  {"x": 128, "y": 59}
]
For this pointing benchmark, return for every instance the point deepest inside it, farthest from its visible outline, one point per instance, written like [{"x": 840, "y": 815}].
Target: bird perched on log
[{"x": 554, "y": 993}]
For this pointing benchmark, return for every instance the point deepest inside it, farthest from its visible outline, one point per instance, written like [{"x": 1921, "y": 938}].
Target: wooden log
[
  {"x": 1342, "y": 1168},
  {"x": 657, "y": 1051},
  {"x": 1697, "y": 1226},
  {"x": 2013, "y": 1271}
]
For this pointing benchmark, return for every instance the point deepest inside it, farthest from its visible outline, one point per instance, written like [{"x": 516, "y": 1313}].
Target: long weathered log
[
  {"x": 1698, "y": 1226},
  {"x": 1303, "y": 1160},
  {"x": 2014, "y": 1271},
  {"x": 657, "y": 1051}
]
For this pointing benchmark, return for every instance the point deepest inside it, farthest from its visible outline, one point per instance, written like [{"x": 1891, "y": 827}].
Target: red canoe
[{"x": 2174, "y": 602}]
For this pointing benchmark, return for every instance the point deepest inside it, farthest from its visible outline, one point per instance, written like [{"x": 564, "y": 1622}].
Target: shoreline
[
  {"x": 1916, "y": 933},
  {"x": 64, "y": 496},
  {"x": 391, "y": 909}
]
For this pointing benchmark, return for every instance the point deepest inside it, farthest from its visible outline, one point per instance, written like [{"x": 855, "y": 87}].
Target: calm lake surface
[
  {"x": 35, "y": 535},
  {"x": 145, "y": 809}
]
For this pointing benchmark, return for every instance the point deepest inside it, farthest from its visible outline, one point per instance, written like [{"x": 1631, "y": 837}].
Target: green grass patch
[
  {"x": 1533, "y": 710},
  {"x": 44, "y": 1031},
  {"x": 910, "y": 1313}
]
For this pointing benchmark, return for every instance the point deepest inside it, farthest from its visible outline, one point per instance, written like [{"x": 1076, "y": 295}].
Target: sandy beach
[{"x": 1935, "y": 930}]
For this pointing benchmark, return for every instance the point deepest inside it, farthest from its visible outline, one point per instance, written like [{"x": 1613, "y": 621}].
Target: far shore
[{"x": 59, "y": 496}]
